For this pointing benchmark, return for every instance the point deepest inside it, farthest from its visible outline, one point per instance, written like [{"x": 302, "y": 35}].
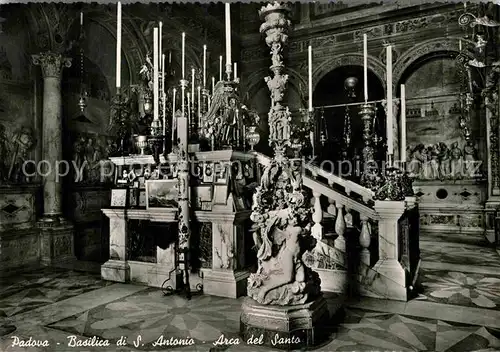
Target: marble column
[{"x": 52, "y": 65}]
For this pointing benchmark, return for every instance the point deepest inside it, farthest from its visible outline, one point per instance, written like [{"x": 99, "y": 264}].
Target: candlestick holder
[
  {"x": 121, "y": 121},
  {"x": 407, "y": 181},
  {"x": 391, "y": 186},
  {"x": 229, "y": 71},
  {"x": 156, "y": 140},
  {"x": 370, "y": 177}
]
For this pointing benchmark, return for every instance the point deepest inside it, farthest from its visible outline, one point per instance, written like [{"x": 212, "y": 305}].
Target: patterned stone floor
[
  {"x": 43, "y": 287},
  {"x": 458, "y": 253},
  {"x": 84, "y": 307},
  {"x": 461, "y": 288}
]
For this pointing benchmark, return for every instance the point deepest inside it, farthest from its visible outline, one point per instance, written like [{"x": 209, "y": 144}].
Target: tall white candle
[
  {"x": 164, "y": 117},
  {"x": 390, "y": 145},
  {"x": 163, "y": 74},
  {"x": 213, "y": 85},
  {"x": 192, "y": 87},
  {"x": 156, "y": 97},
  {"x": 183, "y": 55},
  {"x": 81, "y": 18},
  {"x": 160, "y": 46},
  {"x": 183, "y": 91},
  {"x": 365, "y": 66},
  {"x": 220, "y": 68},
  {"x": 235, "y": 71},
  {"x": 173, "y": 113},
  {"x": 204, "y": 66},
  {"x": 199, "y": 106},
  {"x": 228, "y": 34},
  {"x": 309, "y": 51},
  {"x": 460, "y": 44},
  {"x": 189, "y": 105},
  {"x": 403, "y": 123},
  {"x": 169, "y": 58},
  {"x": 118, "y": 44}
]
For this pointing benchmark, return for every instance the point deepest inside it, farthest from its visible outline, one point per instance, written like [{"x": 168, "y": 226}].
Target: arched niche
[
  {"x": 433, "y": 84},
  {"x": 330, "y": 90},
  {"x": 350, "y": 59}
]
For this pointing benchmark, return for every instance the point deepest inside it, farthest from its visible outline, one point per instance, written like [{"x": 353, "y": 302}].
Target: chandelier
[{"x": 82, "y": 101}]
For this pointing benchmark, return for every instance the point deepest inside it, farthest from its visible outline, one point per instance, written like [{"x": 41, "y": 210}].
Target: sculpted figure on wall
[
  {"x": 14, "y": 152},
  {"x": 440, "y": 162},
  {"x": 89, "y": 155}
]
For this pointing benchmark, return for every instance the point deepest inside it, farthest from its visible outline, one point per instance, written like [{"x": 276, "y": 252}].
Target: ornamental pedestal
[
  {"x": 228, "y": 276},
  {"x": 388, "y": 264},
  {"x": 285, "y": 327},
  {"x": 57, "y": 235}
]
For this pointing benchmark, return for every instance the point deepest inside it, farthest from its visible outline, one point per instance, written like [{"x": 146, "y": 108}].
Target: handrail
[
  {"x": 342, "y": 199},
  {"x": 349, "y": 186},
  {"x": 331, "y": 193}
]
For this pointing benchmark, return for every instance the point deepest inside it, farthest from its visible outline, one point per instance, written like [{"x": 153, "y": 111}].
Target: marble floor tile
[
  {"x": 149, "y": 314},
  {"x": 457, "y": 253},
  {"x": 462, "y": 268},
  {"x": 112, "y": 311},
  {"x": 29, "y": 291},
  {"x": 459, "y": 288}
]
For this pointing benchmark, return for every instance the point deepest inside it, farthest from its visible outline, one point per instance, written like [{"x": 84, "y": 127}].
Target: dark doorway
[{"x": 343, "y": 136}]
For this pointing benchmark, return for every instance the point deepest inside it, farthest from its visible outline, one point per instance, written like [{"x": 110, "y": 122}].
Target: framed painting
[
  {"x": 201, "y": 194},
  {"x": 220, "y": 194},
  {"x": 221, "y": 174},
  {"x": 119, "y": 198},
  {"x": 133, "y": 197},
  {"x": 206, "y": 206},
  {"x": 162, "y": 194},
  {"x": 142, "y": 198},
  {"x": 208, "y": 172}
]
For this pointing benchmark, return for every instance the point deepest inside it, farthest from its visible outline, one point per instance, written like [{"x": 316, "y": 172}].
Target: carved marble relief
[
  {"x": 20, "y": 250},
  {"x": 437, "y": 148},
  {"x": 17, "y": 138},
  {"x": 17, "y": 210}
]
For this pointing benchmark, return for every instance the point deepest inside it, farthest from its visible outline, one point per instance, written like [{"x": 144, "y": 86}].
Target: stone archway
[
  {"x": 254, "y": 81},
  {"x": 350, "y": 59},
  {"x": 408, "y": 58}
]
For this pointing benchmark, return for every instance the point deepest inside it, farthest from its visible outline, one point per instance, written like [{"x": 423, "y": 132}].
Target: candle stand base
[
  {"x": 392, "y": 188},
  {"x": 185, "y": 288}
]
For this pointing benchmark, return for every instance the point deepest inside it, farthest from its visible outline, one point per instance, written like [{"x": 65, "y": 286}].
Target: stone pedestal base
[
  {"x": 57, "y": 242},
  {"x": 284, "y": 327},
  {"x": 115, "y": 270},
  {"x": 225, "y": 283}
]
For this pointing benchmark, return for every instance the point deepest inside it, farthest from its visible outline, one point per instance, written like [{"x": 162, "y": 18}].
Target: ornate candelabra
[
  {"x": 276, "y": 28},
  {"x": 370, "y": 177},
  {"x": 122, "y": 120},
  {"x": 279, "y": 203}
]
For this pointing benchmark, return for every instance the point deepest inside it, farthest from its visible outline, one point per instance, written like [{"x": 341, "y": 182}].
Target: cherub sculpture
[{"x": 281, "y": 230}]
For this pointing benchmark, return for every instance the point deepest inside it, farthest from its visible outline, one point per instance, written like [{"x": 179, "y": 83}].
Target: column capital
[{"x": 51, "y": 63}]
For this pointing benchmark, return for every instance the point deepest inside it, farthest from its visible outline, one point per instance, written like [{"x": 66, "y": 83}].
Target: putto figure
[{"x": 281, "y": 233}]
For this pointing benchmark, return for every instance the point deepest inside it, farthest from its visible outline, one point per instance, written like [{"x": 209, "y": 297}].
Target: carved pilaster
[
  {"x": 493, "y": 146},
  {"x": 52, "y": 64}
]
